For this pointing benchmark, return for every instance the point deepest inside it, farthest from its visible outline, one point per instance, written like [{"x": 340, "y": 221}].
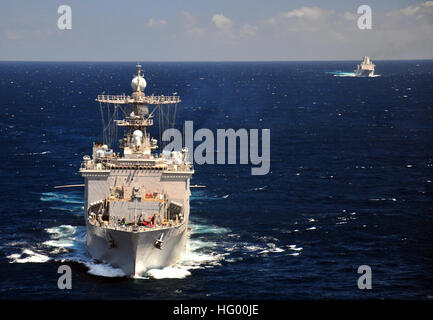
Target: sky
[{"x": 215, "y": 30}]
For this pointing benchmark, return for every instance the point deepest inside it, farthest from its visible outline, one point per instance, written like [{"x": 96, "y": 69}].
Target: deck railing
[{"x": 124, "y": 99}]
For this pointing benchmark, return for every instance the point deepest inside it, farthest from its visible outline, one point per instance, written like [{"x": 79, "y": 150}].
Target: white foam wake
[
  {"x": 168, "y": 273},
  {"x": 199, "y": 254},
  {"x": 350, "y": 74},
  {"x": 60, "y": 197},
  {"x": 68, "y": 243},
  {"x": 73, "y": 240},
  {"x": 344, "y": 74},
  {"x": 61, "y": 237},
  {"x": 103, "y": 270},
  {"x": 28, "y": 255}
]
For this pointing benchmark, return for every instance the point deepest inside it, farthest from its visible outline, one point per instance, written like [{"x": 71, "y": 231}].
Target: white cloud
[
  {"x": 422, "y": 9},
  {"x": 224, "y": 24},
  {"x": 410, "y": 11},
  {"x": 248, "y": 31},
  {"x": 311, "y": 13},
  {"x": 155, "y": 23},
  {"x": 349, "y": 16},
  {"x": 191, "y": 25},
  {"x": 304, "y": 19},
  {"x": 318, "y": 33}
]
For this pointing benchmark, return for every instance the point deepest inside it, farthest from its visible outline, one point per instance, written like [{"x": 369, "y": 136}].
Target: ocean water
[{"x": 350, "y": 181}]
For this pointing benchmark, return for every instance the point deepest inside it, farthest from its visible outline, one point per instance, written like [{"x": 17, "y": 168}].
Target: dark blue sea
[{"x": 350, "y": 181}]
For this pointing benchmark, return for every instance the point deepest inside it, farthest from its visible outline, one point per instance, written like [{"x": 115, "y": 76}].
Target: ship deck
[{"x": 135, "y": 228}]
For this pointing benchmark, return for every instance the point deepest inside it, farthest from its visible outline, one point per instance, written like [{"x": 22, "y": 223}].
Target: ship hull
[
  {"x": 364, "y": 73},
  {"x": 135, "y": 252}
]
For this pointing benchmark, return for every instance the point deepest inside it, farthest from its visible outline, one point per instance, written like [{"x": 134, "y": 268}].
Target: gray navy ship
[
  {"x": 365, "y": 68},
  {"x": 136, "y": 200}
]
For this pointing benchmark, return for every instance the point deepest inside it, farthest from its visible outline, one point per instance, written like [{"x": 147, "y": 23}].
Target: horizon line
[{"x": 207, "y": 61}]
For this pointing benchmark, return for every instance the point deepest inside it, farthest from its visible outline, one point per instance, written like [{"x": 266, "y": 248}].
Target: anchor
[
  {"x": 111, "y": 243},
  {"x": 158, "y": 242}
]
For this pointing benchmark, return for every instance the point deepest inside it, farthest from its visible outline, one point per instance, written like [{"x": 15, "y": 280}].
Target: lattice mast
[{"x": 137, "y": 118}]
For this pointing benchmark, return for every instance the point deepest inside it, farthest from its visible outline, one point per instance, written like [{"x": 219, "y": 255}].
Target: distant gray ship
[
  {"x": 366, "y": 68},
  {"x": 136, "y": 203}
]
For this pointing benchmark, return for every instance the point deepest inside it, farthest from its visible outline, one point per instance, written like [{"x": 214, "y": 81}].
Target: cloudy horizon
[{"x": 243, "y": 30}]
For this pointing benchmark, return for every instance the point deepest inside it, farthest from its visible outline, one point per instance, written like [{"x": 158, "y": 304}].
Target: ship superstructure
[
  {"x": 136, "y": 201},
  {"x": 366, "y": 68}
]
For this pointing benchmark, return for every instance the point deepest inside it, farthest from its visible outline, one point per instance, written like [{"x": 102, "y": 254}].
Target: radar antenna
[{"x": 135, "y": 111}]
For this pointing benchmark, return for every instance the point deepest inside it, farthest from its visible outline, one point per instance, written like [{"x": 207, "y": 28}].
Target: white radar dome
[
  {"x": 138, "y": 83},
  {"x": 138, "y": 134}
]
